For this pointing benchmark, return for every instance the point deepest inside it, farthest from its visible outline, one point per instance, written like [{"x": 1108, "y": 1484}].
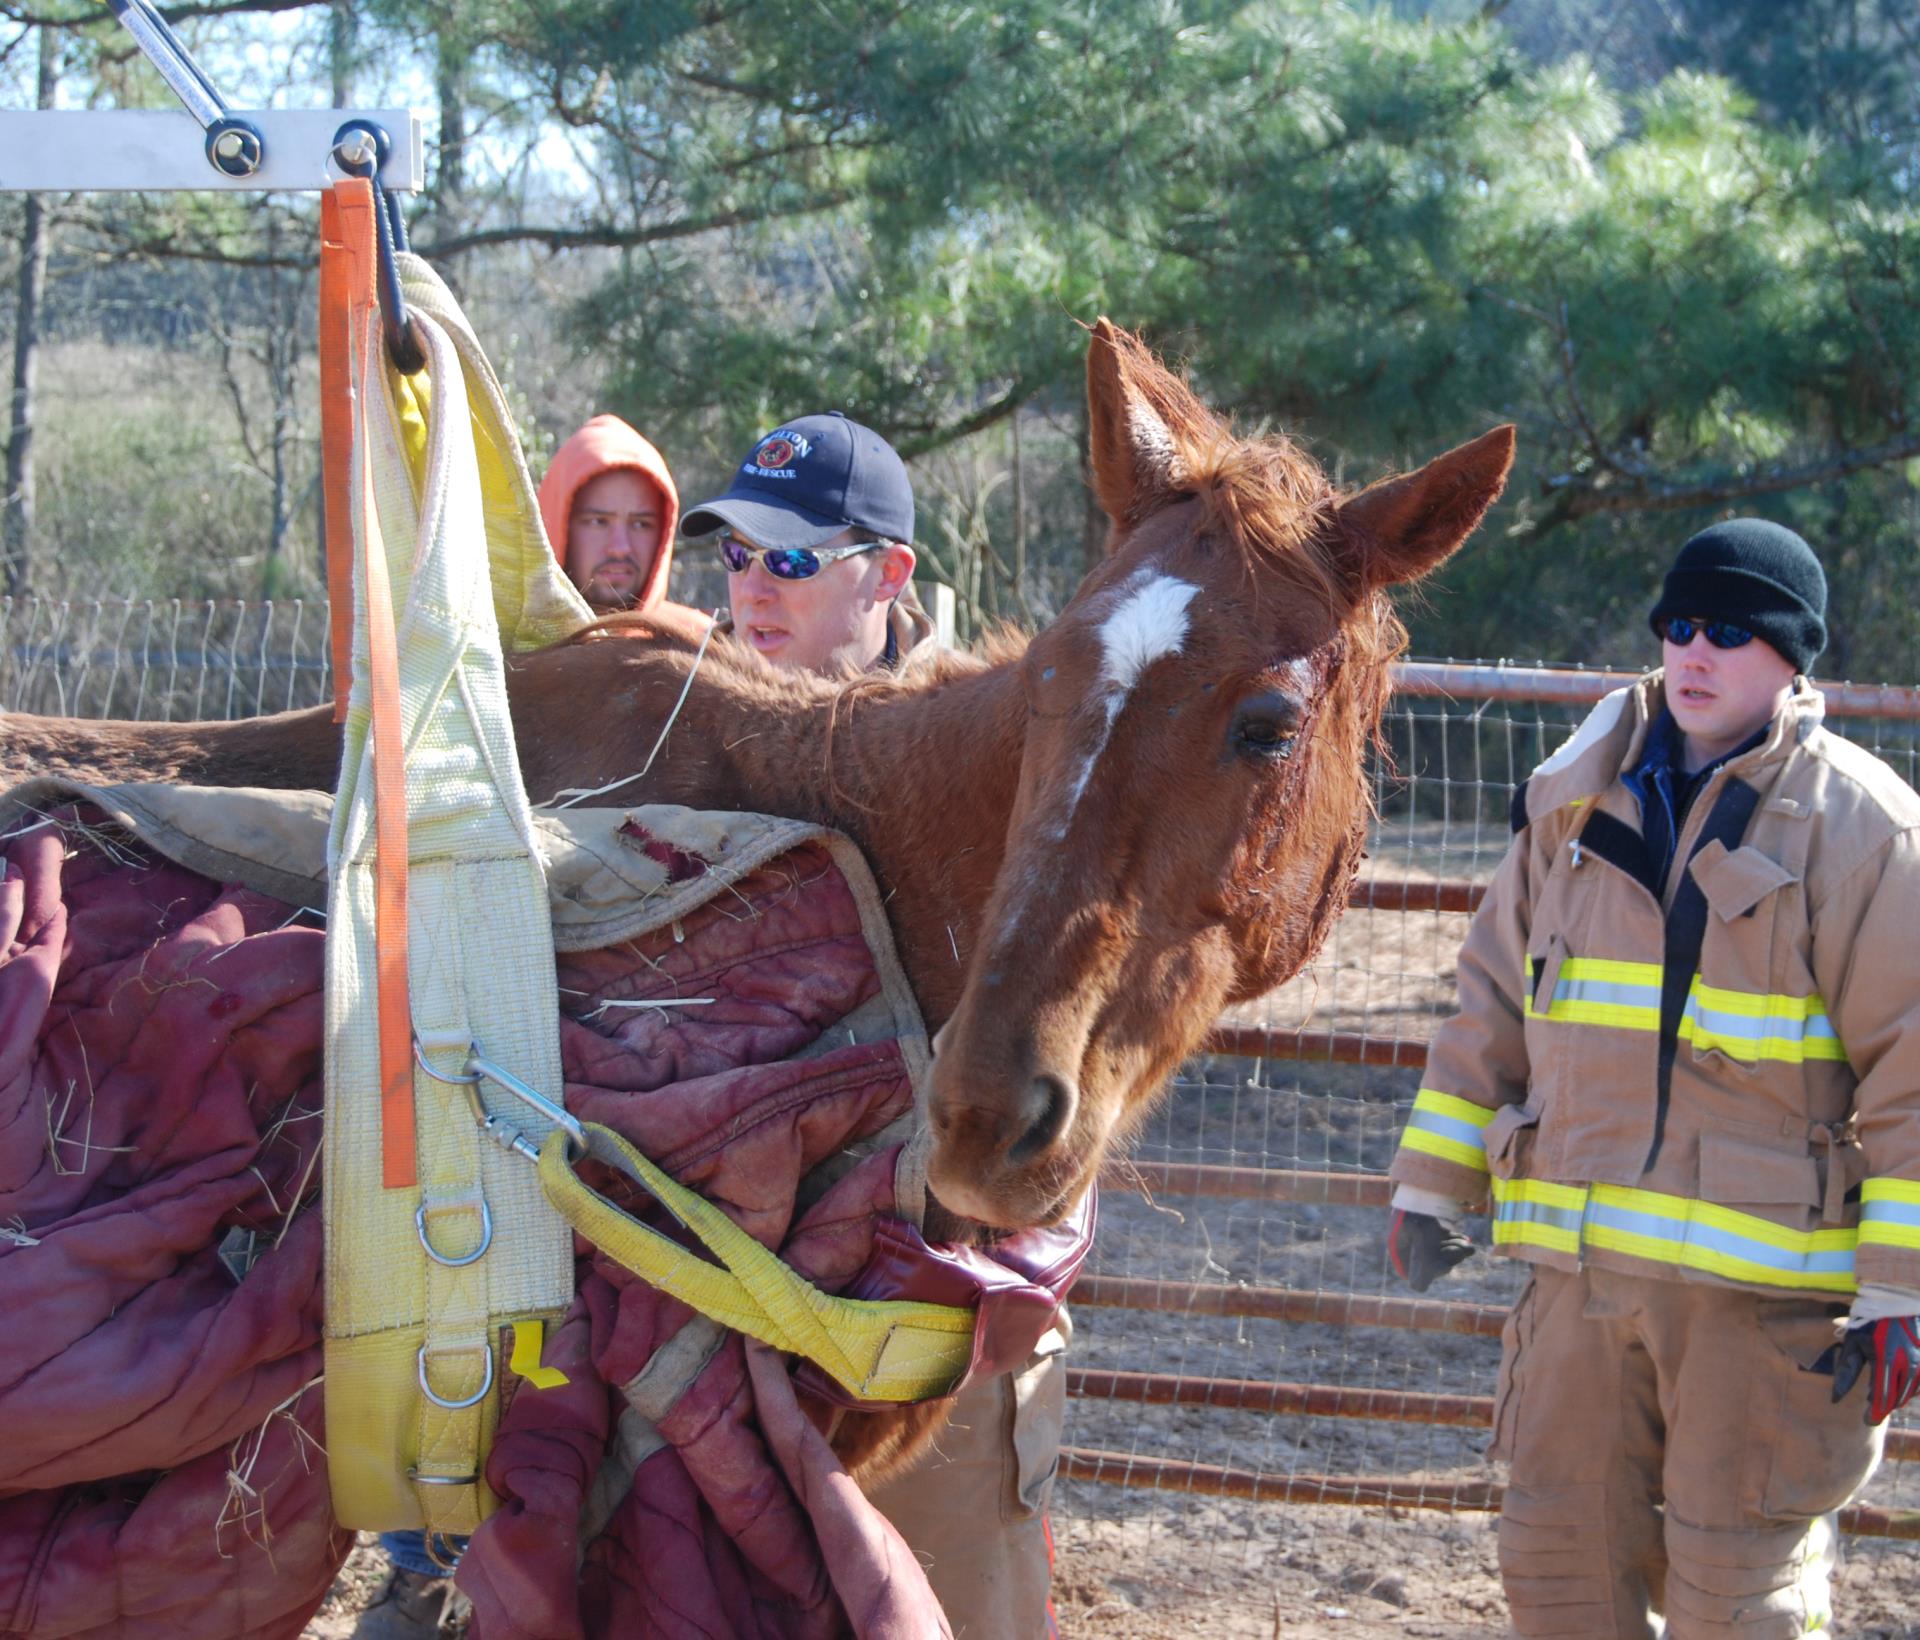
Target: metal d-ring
[
  {"x": 458, "y": 1079},
  {"x": 473, "y": 1400},
  {"x": 419, "y": 1479},
  {"x": 438, "y": 1257}
]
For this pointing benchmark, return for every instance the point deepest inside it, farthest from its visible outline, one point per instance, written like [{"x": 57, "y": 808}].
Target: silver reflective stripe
[{"x": 1606, "y": 991}]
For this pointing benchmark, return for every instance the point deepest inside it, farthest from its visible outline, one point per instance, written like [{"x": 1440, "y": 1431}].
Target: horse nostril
[{"x": 1053, "y": 1099}]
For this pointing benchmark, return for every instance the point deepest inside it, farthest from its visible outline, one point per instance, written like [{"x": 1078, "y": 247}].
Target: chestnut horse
[{"x": 1090, "y": 842}]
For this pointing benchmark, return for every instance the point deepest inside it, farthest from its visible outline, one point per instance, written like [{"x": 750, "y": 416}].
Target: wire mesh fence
[
  {"x": 172, "y": 659},
  {"x": 1239, "y": 1340}
]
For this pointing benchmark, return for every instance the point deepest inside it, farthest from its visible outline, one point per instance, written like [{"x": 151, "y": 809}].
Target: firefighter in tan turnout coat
[{"x": 1686, "y": 1071}]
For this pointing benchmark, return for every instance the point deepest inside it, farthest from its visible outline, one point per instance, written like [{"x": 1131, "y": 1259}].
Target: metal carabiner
[
  {"x": 556, "y": 1114},
  {"x": 501, "y": 1132}
]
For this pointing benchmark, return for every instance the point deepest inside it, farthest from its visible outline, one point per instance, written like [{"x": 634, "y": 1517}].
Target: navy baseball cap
[{"x": 808, "y": 480}]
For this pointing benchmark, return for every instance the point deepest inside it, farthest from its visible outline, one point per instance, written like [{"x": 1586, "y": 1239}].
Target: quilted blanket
[{"x": 731, "y": 1007}]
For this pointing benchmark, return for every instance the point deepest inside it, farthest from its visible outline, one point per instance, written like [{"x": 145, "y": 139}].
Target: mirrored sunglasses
[
  {"x": 788, "y": 563},
  {"x": 1678, "y": 630}
]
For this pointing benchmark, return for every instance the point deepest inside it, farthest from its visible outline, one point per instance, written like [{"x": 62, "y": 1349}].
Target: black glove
[
  {"x": 1423, "y": 1248},
  {"x": 1890, "y": 1349}
]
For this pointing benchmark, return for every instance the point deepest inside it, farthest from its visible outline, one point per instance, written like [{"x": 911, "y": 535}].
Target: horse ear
[
  {"x": 1406, "y": 526},
  {"x": 1131, "y": 445}
]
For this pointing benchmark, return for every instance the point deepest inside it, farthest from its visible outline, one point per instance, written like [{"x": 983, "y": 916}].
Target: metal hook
[{"x": 360, "y": 148}]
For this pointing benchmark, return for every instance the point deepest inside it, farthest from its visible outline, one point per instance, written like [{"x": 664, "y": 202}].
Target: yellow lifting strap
[
  {"x": 877, "y": 1349},
  {"x": 437, "y": 1246}
]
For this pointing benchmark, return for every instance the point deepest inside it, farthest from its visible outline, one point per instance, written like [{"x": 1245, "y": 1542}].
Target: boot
[{"x": 413, "y": 1607}]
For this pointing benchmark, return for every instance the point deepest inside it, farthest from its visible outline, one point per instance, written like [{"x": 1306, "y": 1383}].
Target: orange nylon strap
[
  {"x": 358, "y": 321},
  {"x": 343, "y": 219}
]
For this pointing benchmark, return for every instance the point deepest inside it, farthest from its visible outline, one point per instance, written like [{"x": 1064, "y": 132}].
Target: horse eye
[{"x": 1265, "y": 727}]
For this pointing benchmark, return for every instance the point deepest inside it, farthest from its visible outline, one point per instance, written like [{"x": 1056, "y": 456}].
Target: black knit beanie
[{"x": 1752, "y": 573}]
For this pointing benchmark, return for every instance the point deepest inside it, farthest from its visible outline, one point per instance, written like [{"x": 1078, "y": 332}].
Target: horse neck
[{"x": 923, "y": 780}]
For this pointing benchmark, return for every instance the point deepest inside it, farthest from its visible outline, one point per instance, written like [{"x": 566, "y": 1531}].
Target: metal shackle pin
[{"x": 357, "y": 150}]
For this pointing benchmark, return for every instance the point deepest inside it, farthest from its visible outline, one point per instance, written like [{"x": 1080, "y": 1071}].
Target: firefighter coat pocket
[
  {"x": 1735, "y": 881},
  {"x": 1817, "y": 1453},
  {"x": 1738, "y": 1171},
  {"x": 1509, "y": 1137}
]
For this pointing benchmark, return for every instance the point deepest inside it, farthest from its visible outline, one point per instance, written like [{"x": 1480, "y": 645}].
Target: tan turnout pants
[
  {"x": 975, "y": 1508},
  {"x": 1670, "y": 1455}
]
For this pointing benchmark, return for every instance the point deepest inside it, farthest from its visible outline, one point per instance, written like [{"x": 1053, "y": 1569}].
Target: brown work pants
[
  {"x": 975, "y": 1508},
  {"x": 1670, "y": 1454}
]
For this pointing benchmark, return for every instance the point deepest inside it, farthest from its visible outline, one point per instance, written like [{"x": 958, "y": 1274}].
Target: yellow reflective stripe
[
  {"x": 1567, "y": 1197},
  {"x": 1601, "y": 991},
  {"x": 1448, "y": 1150},
  {"x": 1619, "y": 1015},
  {"x": 1752, "y": 1025},
  {"x": 1452, "y": 1105},
  {"x": 1786, "y": 1050},
  {"x": 1535, "y": 1213},
  {"x": 1759, "y": 1004},
  {"x": 1673, "y": 1230},
  {"x": 1890, "y": 1213},
  {"x": 1447, "y": 1126},
  {"x": 1610, "y": 972}
]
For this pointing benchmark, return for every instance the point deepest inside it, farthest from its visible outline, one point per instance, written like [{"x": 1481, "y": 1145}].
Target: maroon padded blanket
[{"x": 162, "y": 1469}]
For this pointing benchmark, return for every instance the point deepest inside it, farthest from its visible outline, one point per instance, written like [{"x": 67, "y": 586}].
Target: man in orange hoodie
[{"x": 610, "y": 508}]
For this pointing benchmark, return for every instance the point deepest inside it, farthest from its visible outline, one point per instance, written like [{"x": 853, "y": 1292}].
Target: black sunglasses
[
  {"x": 1678, "y": 630},
  {"x": 787, "y": 563}
]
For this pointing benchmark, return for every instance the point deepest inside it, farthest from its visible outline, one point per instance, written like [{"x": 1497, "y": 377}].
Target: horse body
[{"x": 1091, "y": 842}]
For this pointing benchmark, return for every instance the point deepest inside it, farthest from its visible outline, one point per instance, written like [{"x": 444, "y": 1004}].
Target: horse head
[{"x": 1193, "y": 794}]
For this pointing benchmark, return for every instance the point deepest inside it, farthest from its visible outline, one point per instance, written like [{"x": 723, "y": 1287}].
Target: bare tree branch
[
  {"x": 618, "y": 236},
  {"x": 932, "y": 438},
  {"x": 1582, "y": 495},
  {"x": 173, "y": 14}
]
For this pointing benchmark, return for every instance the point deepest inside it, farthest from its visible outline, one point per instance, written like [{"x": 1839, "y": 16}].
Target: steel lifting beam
[{"x": 112, "y": 150}]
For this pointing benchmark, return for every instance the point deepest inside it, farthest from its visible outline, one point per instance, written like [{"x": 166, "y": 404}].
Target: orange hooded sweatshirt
[{"x": 604, "y": 443}]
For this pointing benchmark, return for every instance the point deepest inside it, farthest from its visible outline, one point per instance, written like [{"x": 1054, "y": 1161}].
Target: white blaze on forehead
[
  {"x": 1150, "y": 621},
  {"x": 1147, "y": 622}
]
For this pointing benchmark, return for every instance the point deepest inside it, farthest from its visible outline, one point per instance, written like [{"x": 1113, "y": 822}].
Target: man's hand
[
  {"x": 1889, "y": 1350},
  {"x": 1424, "y": 1248}
]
